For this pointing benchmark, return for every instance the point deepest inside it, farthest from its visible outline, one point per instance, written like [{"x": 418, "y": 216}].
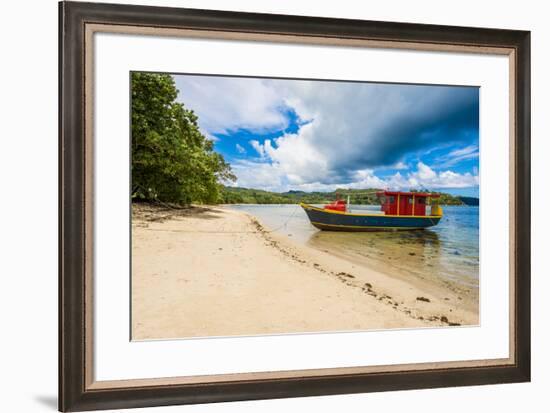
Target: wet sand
[{"x": 214, "y": 271}]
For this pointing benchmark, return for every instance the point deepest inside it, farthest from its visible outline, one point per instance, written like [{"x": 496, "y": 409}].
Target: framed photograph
[{"x": 264, "y": 206}]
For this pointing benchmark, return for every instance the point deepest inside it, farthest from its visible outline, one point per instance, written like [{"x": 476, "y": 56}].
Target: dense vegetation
[
  {"x": 171, "y": 160},
  {"x": 232, "y": 195}
]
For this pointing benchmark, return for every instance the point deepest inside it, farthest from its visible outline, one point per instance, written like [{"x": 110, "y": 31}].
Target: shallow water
[{"x": 448, "y": 252}]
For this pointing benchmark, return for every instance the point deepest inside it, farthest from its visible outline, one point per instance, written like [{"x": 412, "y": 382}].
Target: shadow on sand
[{"x": 150, "y": 212}]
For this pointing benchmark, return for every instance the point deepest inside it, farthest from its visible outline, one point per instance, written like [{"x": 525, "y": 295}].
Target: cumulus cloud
[
  {"x": 224, "y": 104},
  {"x": 346, "y": 131},
  {"x": 399, "y": 165},
  {"x": 258, "y": 147},
  {"x": 426, "y": 177},
  {"x": 266, "y": 176},
  {"x": 273, "y": 177}
]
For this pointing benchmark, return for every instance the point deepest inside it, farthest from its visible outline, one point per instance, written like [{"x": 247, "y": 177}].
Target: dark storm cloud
[{"x": 400, "y": 120}]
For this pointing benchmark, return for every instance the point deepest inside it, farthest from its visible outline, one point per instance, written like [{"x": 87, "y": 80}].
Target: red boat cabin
[
  {"x": 338, "y": 205},
  {"x": 405, "y": 203}
]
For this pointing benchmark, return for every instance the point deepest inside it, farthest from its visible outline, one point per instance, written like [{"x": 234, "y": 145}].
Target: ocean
[{"x": 448, "y": 252}]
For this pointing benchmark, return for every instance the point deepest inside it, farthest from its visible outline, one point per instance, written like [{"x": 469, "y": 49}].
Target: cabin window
[
  {"x": 421, "y": 201},
  {"x": 391, "y": 199},
  {"x": 411, "y": 201}
]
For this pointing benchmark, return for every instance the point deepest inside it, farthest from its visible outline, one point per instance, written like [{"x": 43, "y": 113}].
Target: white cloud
[
  {"x": 426, "y": 177},
  {"x": 468, "y": 150},
  {"x": 273, "y": 177},
  {"x": 224, "y": 104},
  {"x": 260, "y": 175},
  {"x": 399, "y": 165},
  {"x": 458, "y": 155},
  {"x": 240, "y": 149},
  {"x": 210, "y": 137},
  {"x": 258, "y": 147},
  {"x": 425, "y": 173}
]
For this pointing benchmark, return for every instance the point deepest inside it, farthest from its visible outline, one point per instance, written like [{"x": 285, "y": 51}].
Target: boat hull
[{"x": 349, "y": 222}]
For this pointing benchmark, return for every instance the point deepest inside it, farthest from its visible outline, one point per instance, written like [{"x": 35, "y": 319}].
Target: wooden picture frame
[{"x": 78, "y": 21}]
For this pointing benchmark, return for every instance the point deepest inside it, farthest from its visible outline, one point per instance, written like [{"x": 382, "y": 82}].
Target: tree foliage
[{"x": 171, "y": 160}]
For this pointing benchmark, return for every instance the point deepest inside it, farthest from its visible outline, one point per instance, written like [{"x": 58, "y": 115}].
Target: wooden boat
[{"x": 399, "y": 211}]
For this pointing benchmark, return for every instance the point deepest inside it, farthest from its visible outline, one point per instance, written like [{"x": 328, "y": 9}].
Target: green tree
[{"x": 171, "y": 160}]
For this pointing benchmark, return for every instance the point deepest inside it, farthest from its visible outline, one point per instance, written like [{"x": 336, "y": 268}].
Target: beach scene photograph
[{"x": 267, "y": 206}]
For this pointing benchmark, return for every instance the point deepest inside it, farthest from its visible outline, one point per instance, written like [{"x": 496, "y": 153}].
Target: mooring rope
[{"x": 297, "y": 207}]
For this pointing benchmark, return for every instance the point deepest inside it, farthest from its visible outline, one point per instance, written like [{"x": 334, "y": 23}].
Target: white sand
[{"x": 216, "y": 272}]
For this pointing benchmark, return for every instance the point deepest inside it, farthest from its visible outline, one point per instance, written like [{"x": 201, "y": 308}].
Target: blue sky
[{"x": 282, "y": 135}]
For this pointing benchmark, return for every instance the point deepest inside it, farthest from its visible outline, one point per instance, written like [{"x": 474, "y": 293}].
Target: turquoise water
[{"x": 449, "y": 251}]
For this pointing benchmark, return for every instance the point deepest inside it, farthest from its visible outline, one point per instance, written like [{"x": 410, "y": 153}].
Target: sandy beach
[{"x": 215, "y": 271}]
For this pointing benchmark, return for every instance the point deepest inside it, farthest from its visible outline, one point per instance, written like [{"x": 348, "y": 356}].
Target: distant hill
[
  {"x": 468, "y": 200},
  {"x": 367, "y": 196}
]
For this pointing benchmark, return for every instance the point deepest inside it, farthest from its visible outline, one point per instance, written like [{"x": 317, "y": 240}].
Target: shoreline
[
  {"x": 439, "y": 290},
  {"x": 402, "y": 254},
  {"x": 194, "y": 267},
  {"x": 449, "y": 290}
]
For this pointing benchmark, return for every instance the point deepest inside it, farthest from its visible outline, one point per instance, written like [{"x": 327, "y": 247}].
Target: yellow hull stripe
[
  {"x": 328, "y": 211},
  {"x": 362, "y": 226}
]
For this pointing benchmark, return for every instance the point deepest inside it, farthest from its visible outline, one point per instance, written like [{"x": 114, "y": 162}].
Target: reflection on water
[
  {"x": 449, "y": 250},
  {"x": 417, "y": 252}
]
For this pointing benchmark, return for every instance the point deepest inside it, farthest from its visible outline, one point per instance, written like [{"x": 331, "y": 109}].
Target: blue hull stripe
[{"x": 343, "y": 222}]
